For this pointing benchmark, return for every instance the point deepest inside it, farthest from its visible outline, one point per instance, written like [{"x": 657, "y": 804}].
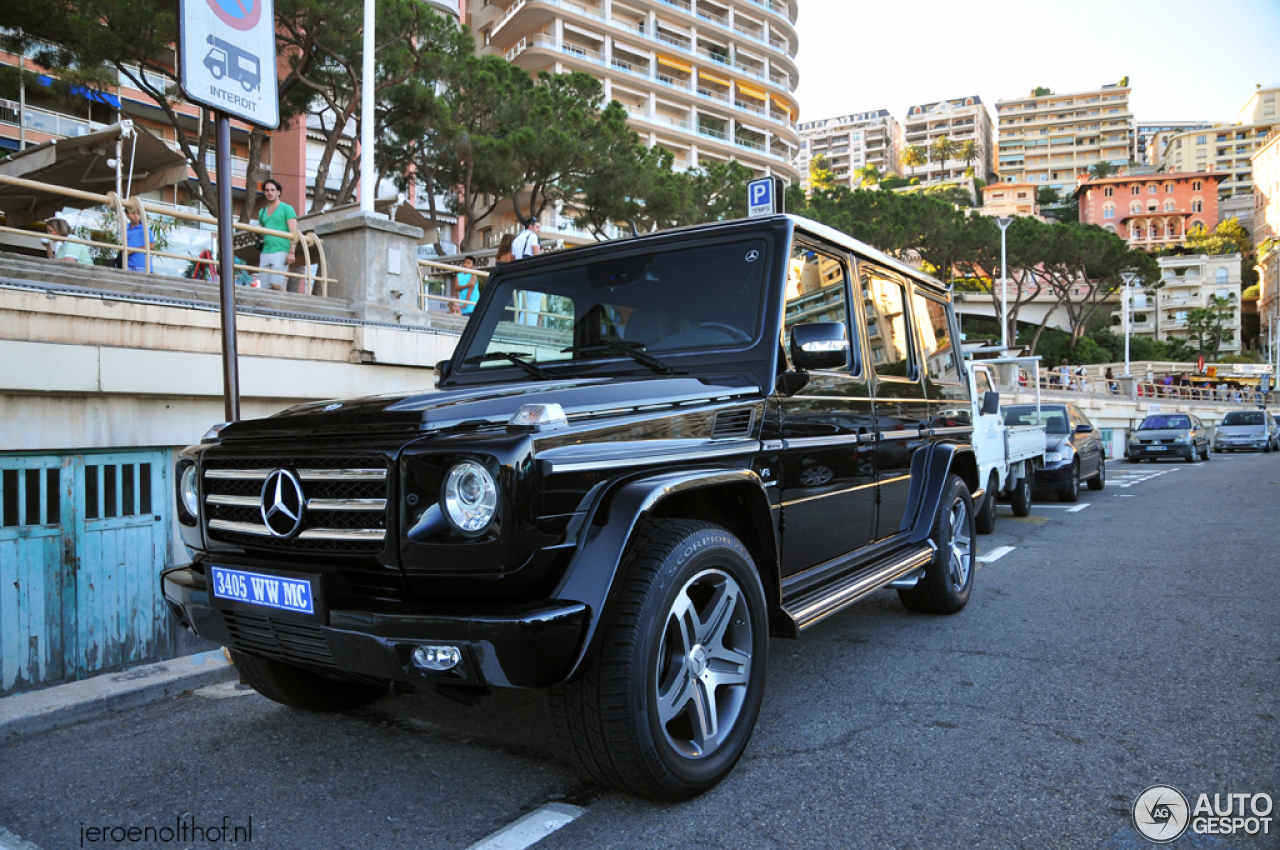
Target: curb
[{"x": 75, "y": 702}]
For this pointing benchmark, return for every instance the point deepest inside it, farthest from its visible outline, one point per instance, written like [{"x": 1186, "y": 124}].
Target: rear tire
[
  {"x": 948, "y": 578},
  {"x": 985, "y": 521},
  {"x": 1022, "y": 494},
  {"x": 666, "y": 706},
  {"x": 300, "y": 688}
]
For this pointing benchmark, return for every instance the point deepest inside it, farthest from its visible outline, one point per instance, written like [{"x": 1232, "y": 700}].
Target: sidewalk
[{"x": 75, "y": 702}]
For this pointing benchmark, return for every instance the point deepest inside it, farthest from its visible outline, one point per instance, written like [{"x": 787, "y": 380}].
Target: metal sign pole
[{"x": 227, "y": 270}]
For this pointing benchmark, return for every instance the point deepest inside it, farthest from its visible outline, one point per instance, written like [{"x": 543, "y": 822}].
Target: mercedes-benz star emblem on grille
[{"x": 282, "y": 503}]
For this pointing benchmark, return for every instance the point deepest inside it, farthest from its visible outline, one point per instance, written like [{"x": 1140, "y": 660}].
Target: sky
[{"x": 1186, "y": 61}]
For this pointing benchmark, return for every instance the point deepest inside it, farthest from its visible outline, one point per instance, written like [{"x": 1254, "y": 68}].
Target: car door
[
  {"x": 1088, "y": 444},
  {"x": 902, "y": 407},
  {"x": 827, "y": 478}
]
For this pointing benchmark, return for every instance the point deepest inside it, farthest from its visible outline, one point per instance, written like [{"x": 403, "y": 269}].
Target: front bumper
[
  {"x": 1178, "y": 450},
  {"x": 1232, "y": 443},
  {"x": 505, "y": 646},
  {"x": 1054, "y": 475}
]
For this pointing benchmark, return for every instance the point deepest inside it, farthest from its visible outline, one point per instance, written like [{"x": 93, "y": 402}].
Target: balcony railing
[
  {"x": 713, "y": 95},
  {"x": 712, "y": 133},
  {"x": 713, "y": 18},
  {"x": 684, "y": 46},
  {"x": 44, "y": 121},
  {"x": 750, "y": 144}
]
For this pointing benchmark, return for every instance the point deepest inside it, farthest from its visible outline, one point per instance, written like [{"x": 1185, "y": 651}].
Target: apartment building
[
  {"x": 711, "y": 80},
  {"x": 1189, "y": 282},
  {"x": 960, "y": 119},
  {"x": 1150, "y": 211},
  {"x": 1266, "y": 237},
  {"x": 1000, "y": 200},
  {"x": 1152, "y": 136},
  {"x": 1048, "y": 138},
  {"x": 850, "y": 142},
  {"x": 1226, "y": 149}
]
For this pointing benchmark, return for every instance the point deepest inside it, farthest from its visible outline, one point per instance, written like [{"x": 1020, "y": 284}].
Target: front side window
[
  {"x": 662, "y": 301},
  {"x": 815, "y": 293}
]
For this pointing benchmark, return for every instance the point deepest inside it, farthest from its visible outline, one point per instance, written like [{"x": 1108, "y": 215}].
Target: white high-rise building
[
  {"x": 849, "y": 143},
  {"x": 961, "y": 119}
]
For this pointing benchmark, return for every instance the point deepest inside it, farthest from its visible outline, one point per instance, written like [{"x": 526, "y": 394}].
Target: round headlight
[
  {"x": 189, "y": 491},
  {"x": 470, "y": 498}
]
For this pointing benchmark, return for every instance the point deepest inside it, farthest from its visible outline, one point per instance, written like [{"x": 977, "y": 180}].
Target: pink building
[{"x": 1150, "y": 211}]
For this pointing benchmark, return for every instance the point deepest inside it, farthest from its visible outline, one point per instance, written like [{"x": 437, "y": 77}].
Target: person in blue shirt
[
  {"x": 468, "y": 287},
  {"x": 139, "y": 237}
]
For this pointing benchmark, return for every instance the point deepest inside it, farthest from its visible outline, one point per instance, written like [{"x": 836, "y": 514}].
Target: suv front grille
[{"x": 344, "y": 503}]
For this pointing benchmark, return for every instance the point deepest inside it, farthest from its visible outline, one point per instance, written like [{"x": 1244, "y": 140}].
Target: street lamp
[
  {"x": 1004, "y": 221},
  {"x": 1128, "y": 278}
]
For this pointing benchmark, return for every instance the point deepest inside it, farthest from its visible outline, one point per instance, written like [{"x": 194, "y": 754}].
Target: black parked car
[
  {"x": 1164, "y": 435},
  {"x": 1073, "y": 448},
  {"x": 645, "y": 459}
]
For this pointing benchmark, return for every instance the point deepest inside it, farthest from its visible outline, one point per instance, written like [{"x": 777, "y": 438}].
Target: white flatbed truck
[{"x": 1008, "y": 456}]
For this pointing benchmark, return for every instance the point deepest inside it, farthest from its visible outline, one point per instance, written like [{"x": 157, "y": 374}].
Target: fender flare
[
  {"x": 929, "y": 471},
  {"x": 593, "y": 574}
]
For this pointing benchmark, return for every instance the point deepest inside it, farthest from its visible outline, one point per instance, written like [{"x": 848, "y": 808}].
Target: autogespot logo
[
  {"x": 282, "y": 503},
  {"x": 1160, "y": 813}
]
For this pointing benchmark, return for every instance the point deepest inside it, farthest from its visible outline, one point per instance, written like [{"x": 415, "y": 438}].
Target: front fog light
[
  {"x": 470, "y": 498},
  {"x": 190, "y": 491},
  {"x": 436, "y": 657}
]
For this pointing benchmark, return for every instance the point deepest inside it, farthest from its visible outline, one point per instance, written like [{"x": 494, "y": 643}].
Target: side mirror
[
  {"x": 990, "y": 403},
  {"x": 820, "y": 345},
  {"x": 1084, "y": 428},
  {"x": 442, "y": 371}
]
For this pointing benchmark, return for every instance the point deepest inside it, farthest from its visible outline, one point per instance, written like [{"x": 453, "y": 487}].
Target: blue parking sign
[{"x": 761, "y": 197}]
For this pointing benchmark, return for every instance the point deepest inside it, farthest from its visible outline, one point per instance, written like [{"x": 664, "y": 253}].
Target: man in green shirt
[{"x": 277, "y": 251}]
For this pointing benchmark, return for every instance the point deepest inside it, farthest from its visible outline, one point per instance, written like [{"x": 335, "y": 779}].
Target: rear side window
[
  {"x": 941, "y": 359},
  {"x": 888, "y": 326}
]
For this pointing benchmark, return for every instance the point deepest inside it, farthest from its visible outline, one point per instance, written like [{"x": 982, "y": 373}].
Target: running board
[{"x": 821, "y": 603}]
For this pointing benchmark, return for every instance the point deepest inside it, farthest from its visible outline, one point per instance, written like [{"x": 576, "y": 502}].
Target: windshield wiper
[
  {"x": 633, "y": 351},
  {"x": 513, "y": 357}
]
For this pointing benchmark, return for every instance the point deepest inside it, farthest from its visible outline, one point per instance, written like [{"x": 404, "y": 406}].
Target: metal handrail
[{"x": 305, "y": 240}]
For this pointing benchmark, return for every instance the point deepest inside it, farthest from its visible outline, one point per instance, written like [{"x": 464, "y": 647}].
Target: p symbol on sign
[{"x": 759, "y": 193}]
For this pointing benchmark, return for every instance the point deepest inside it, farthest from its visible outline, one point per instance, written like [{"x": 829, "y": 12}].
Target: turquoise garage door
[{"x": 82, "y": 540}]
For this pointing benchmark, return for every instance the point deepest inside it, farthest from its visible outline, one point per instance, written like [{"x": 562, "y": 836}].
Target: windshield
[
  {"x": 1054, "y": 419},
  {"x": 1243, "y": 417},
  {"x": 1158, "y": 423},
  {"x": 682, "y": 299}
]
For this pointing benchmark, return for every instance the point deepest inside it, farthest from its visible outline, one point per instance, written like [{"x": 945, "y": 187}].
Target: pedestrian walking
[
  {"x": 527, "y": 245},
  {"x": 278, "y": 251},
  {"x": 1111, "y": 381},
  {"x": 466, "y": 288}
]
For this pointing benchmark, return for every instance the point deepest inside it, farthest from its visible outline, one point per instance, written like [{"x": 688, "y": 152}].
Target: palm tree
[
  {"x": 969, "y": 153},
  {"x": 869, "y": 175},
  {"x": 1102, "y": 169},
  {"x": 914, "y": 156},
  {"x": 943, "y": 149}
]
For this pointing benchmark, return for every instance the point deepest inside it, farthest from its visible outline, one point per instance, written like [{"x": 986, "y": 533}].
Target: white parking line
[
  {"x": 995, "y": 554},
  {"x": 1076, "y": 509},
  {"x": 531, "y": 828}
]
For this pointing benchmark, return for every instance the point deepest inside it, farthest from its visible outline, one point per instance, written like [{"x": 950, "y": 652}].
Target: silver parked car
[
  {"x": 1170, "y": 435},
  {"x": 1254, "y": 430}
]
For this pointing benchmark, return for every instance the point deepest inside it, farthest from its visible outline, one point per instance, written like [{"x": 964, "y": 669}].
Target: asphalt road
[{"x": 1127, "y": 643}]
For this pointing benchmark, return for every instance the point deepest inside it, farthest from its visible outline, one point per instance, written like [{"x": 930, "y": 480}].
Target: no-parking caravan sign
[{"x": 228, "y": 58}]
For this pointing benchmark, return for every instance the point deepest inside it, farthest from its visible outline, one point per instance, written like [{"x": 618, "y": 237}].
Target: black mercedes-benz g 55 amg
[{"x": 645, "y": 459}]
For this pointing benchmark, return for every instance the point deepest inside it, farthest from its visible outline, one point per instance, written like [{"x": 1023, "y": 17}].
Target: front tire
[
  {"x": 948, "y": 578},
  {"x": 1099, "y": 481},
  {"x": 300, "y": 688},
  {"x": 668, "y": 703},
  {"x": 986, "y": 518},
  {"x": 1070, "y": 491}
]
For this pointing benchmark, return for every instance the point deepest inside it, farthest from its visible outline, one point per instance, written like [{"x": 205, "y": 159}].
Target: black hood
[{"x": 493, "y": 405}]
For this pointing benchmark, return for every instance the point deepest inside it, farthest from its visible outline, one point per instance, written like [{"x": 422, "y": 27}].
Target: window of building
[
  {"x": 1202, "y": 140},
  {"x": 1109, "y": 211},
  {"x": 1197, "y": 205},
  {"x": 1135, "y": 208},
  {"x": 1168, "y": 205},
  {"x": 1152, "y": 189},
  {"x": 1196, "y": 185},
  {"x": 1107, "y": 191},
  {"x": 1168, "y": 188},
  {"x": 1220, "y": 276},
  {"x": 1136, "y": 190}
]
